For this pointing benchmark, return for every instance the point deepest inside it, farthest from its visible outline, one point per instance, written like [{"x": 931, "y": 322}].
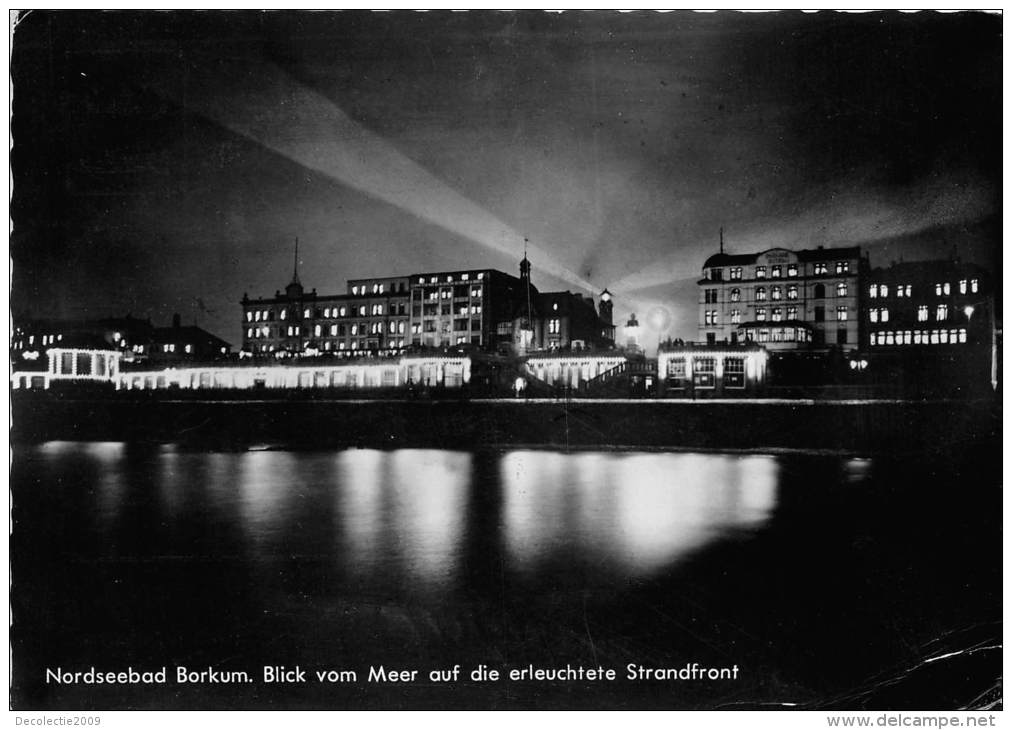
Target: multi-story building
[
  {"x": 782, "y": 299},
  {"x": 929, "y": 303},
  {"x": 481, "y": 308},
  {"x": 137, "y": 339}
]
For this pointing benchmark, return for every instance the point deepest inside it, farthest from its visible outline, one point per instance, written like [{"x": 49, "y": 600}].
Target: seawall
[{"x": 860, "y": 426}]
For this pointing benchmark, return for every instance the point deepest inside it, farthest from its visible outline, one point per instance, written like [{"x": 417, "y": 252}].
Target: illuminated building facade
[
  {"x": 484, "y": 309},
  {"x": 932, "y": 303},
  {"x": 729, "y": 371},
  {"x": 782, "y": 299},
  {"x": 137, "y": 339}
]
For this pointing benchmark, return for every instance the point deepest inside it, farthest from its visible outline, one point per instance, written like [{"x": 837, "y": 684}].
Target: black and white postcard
[{"x": 506, "y": 360}]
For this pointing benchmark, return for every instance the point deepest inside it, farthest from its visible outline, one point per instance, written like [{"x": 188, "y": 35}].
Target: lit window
[
  {"x": 553, "y": 326},
  {"x": 362, "y": 310},
  {"x": 354, "y": 329},
  {"x": 873, "y": 315},
  {"x": 974, "y": 285},
  {"x": 735, "y": 316},
  {"x": 333, "y": 330},
  {"x": 962, "y": 286},
  {"x": 433, "y": 280},
  {"x": 257, "y": 316},
  {"x": 842, "y": 267},
  {"x": 249, "y": 316},
  {"x": 710, "y": 317},
  {"x": 354, "y": 290},
  {"x": 841, "y": 289},
  {"x": 764, "y": 335},
  {"x": 305, "y": 313},
  {"x": 820, "y": 268},
  {"x": 734, "y": 372},
  {"x": 776, "y": 314},
  {"x": 792, "y": 291},
  {"x": 841, "y": 314},
  {"x": 481, "y": 276},
  {"x": 760, "y": 272},
  {"x": 962, "y": 335},
  {"x": 326, "y": 312},
  {"x": 776, "y": 271},
  {"x": 189, "y": 349},
  {"x": 249, "y": 333},
  {"x": 922, "y": 313},
  {"x": 942, "y": 312},
  {"x": 776, "y": 292},
  {"x": 317, "y": 331},
  {"x": 400, "y": 327},
  {"x": 735, "y": 272},
  {"x": 884, "y": 314},
  {"x": 792, "y": 313},
  {"x": 284, "y": 314},
  {"x": 736, "y": 295},
  {"x": 476, "y": 309},
  {"x": 465, "y": 277},
  {"x": 873, "y": 291},
  {"x": 792, "y": 269},
  {"x": 760, "y": 294},
  {"x": 760, "y": 315},
  {"x": 342, "y": 311}
]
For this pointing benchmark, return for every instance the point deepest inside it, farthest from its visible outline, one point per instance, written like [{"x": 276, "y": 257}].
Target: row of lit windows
[
  {"x": 711, "y": 317},
  {"x": 876, "y": 291},
  {"x": 776, "y": 271},
  {"x": 449, "y": 278},
  {"x": 335, "y": 330},
  {"x": 778, "y": 334},
  {"x": 444, "y": 293},
  {"x": 704, "y": 372},
  {"x": 363, "y": 310},
  {"x": 353, "y": 346},
  {"x": 918, "y": 337},
  {"x": 881, "y": 314},
  {"x": 376, "y": 288},
  {"x": 710, "y": 296}
]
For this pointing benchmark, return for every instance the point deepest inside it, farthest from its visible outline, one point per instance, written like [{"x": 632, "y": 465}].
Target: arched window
[
  {"x": 760, "y": 294},
  {"x": 820, "y": 291},
  {"x": 841, "y": 289},
  {"x": 736, "y": 295}
]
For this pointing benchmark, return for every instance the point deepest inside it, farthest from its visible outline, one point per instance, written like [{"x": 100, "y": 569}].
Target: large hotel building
[
  {"x": 480, "y": 308},
  {"x": 783, "y": 299}
]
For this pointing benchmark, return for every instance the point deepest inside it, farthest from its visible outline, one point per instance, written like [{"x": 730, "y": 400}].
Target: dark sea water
[{"x": 828, "y": 580}]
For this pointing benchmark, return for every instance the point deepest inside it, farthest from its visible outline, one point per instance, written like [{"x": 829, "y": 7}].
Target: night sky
[{"x": 164, "y": 158}]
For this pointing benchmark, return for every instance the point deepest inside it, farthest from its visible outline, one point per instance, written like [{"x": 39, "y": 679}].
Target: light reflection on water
[
  {"x": 407, "y": 518},
  {"x": 402, "y": 513},
  {"x": 635, "y": 513}
]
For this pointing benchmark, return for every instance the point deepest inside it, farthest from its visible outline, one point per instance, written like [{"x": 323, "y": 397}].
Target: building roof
[
  {"x": 186, "y": 332},
  {"x": 804, "y": 255}
]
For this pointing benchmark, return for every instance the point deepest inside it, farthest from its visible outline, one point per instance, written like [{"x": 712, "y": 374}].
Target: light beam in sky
[
  {"x": 269, "y": 107},
  {"x": 847, "y": 220}
]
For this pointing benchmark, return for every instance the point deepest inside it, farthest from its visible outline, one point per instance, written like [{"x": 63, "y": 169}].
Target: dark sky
[{"x": 164, "y": 157}]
